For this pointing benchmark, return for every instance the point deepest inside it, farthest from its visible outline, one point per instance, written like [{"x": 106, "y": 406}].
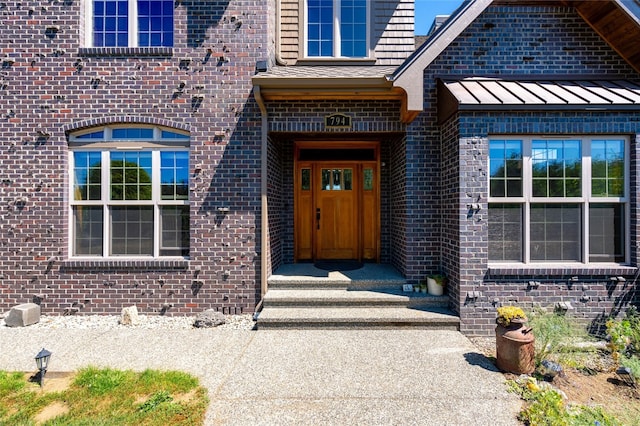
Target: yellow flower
[{"x": 506, "y": 314}]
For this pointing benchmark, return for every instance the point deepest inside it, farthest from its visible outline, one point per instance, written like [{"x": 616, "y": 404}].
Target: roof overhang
[
  {"x": 613, "y": 20},
  {"x": 331, "y": 83},
  {"x": 497, "y": 94}
]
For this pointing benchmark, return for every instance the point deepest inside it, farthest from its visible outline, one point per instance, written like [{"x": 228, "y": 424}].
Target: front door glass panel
[
  {"x": 367, "y": 185},
  {"x": 305, "y": 185},
  {"x": 337, "y": 179}
]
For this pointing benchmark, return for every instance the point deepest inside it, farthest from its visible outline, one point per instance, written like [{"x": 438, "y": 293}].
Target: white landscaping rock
[
  {"x": 129, "y": 316},
  {"x": 23, "y": 315}
]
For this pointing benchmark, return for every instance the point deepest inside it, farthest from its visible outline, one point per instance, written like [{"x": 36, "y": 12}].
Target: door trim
[{"x": 305, "y": 246}]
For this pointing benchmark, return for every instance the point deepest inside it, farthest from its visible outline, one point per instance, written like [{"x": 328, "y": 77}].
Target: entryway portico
[
  {"x": 335, "y": 162},
  {"x": 334, "y": 186}
]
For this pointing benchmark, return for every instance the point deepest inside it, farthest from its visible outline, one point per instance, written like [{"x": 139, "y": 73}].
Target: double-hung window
[
  {"x": 129, "y": 192},
  {"x": 337, "y": 28},
  {"x": 130, "y": 23},
  {"x": 558, "y": 199}
]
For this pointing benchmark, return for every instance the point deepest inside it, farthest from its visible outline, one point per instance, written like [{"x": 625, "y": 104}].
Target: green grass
[{"x": 107, "y": 397}]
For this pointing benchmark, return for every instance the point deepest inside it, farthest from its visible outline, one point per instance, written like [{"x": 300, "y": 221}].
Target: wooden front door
[
  {"x": 336, "y": 212},
  {"x": 336, "y": 209}
]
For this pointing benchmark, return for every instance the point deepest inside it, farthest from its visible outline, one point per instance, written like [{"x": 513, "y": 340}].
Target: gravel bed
[{"x": 109, "y": 322}]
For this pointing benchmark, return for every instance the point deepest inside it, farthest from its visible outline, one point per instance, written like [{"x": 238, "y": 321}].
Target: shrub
[
  {"x": 624, "y": 335},
  {"x": 554, "y": 332}
]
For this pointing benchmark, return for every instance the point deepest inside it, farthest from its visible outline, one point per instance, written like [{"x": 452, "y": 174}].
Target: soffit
[{"x": 328, "y": 82}]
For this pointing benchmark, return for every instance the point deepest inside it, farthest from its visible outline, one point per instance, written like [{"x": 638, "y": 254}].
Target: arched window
[{"x": 129, "y": 192}]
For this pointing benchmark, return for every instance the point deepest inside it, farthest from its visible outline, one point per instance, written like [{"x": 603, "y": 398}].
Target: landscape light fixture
[
  {"x": 42, "y": 361},
  {"x": 624, "y": 373}
]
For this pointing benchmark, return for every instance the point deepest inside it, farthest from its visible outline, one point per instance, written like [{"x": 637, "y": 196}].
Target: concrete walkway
[{"x": 296, "y": 377}]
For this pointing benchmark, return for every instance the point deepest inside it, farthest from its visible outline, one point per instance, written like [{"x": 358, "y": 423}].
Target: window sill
[
  {"x": 336, "y": 61},
  {"x": 126, "y": 51},
  {"x": 572, "y": 269},
  {"x": 125, "y": 264}
]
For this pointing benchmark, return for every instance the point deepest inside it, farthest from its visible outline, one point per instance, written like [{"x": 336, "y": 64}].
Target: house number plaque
[{"x": 337, "y": 120}]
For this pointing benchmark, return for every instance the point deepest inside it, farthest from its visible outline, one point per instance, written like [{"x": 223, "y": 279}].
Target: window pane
[
  {"x": 368, "y": 180},
  {"x": 557, "y": 168},
  {"x": 175, "y": 231},
  {"x": 607, "y": 168},
  {"x": 87, "y": 175},
  {"x": 505, "y": 232},
  {"x": 132, "y": 133},
  {"x": 505, "y": 167},
  {"x": 131, "y": 175},
  {"x": 353, "y": 28},
  {"x": 92, "y": 135},
  {"x": 555, "y": 232},
  {"x": 348, "y": 179},
  {"x": 87, "y": 230},
  {"x": 174, "y": 174},
  {"x": 110, "y": 23},
  {"x": 132, "y": 231},
  {"x": 336, "y": 180},
  {"x": 606, "y": 233},
  {"x": 155, "y": 23},
  {"x": 326, "y": 180},
  {"x": 306, "y": 180},
  {"x": 497, "y": 188},
  {"x": 320, "y": 28},
  {"x": 514, "y": 188}
]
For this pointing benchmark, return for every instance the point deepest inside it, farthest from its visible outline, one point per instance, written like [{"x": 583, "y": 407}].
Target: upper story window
[
  {"x": 130, "y": 23},
  {"x": 337, "y": 28},
  {"x": 559, "y": 200},
  {"x": 129, "y": 192}
]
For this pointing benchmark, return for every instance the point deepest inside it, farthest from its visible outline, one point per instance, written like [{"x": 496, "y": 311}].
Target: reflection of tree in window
[{"x": 131, "y": 180}]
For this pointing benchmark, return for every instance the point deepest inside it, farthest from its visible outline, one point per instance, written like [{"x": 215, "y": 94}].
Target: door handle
[{"x": 318, "y": 217}]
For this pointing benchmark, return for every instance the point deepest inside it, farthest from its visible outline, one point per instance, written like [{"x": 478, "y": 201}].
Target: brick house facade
[
  {"x": 56, "y": 84},
  {"x": 246, "y": 85}
]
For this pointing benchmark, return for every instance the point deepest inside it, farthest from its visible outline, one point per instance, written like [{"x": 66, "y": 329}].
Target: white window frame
[
  {"x": 336, "y": 33},
  {"x": 105, "y": 146},
  {"x": 584, "y": 201},
  {"x": 132, "y": 18}
]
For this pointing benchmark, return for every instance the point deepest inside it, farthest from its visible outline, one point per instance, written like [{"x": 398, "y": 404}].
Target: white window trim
[
  {"x": 336, "y": 34},
  {"x": 156, "y": 201},
  {"x": 585, "y": 200}
]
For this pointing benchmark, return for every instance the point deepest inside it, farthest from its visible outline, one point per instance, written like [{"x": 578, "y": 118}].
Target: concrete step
[
  {"x": 370, "y": 317},
  {"x": 390, "y": 297},
  {"x": 307, "y": 276},
  {"x": 333, "y": 283}
]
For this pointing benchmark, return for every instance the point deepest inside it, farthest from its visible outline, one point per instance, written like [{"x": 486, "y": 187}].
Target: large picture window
[
  {"x": 337, "y": 28},
  {"x": 558, "y": 199},
  {"x": 130, "y": 23},
  {"x": 129, "y": 193}
]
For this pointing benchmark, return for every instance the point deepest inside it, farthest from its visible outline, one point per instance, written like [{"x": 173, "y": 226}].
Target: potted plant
[
  {"x": 423, "y": 287},
  {"x": 435, "y": 284},
  {"x": 515, "y": 351},
  {"x": 508, "y": 315}
]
